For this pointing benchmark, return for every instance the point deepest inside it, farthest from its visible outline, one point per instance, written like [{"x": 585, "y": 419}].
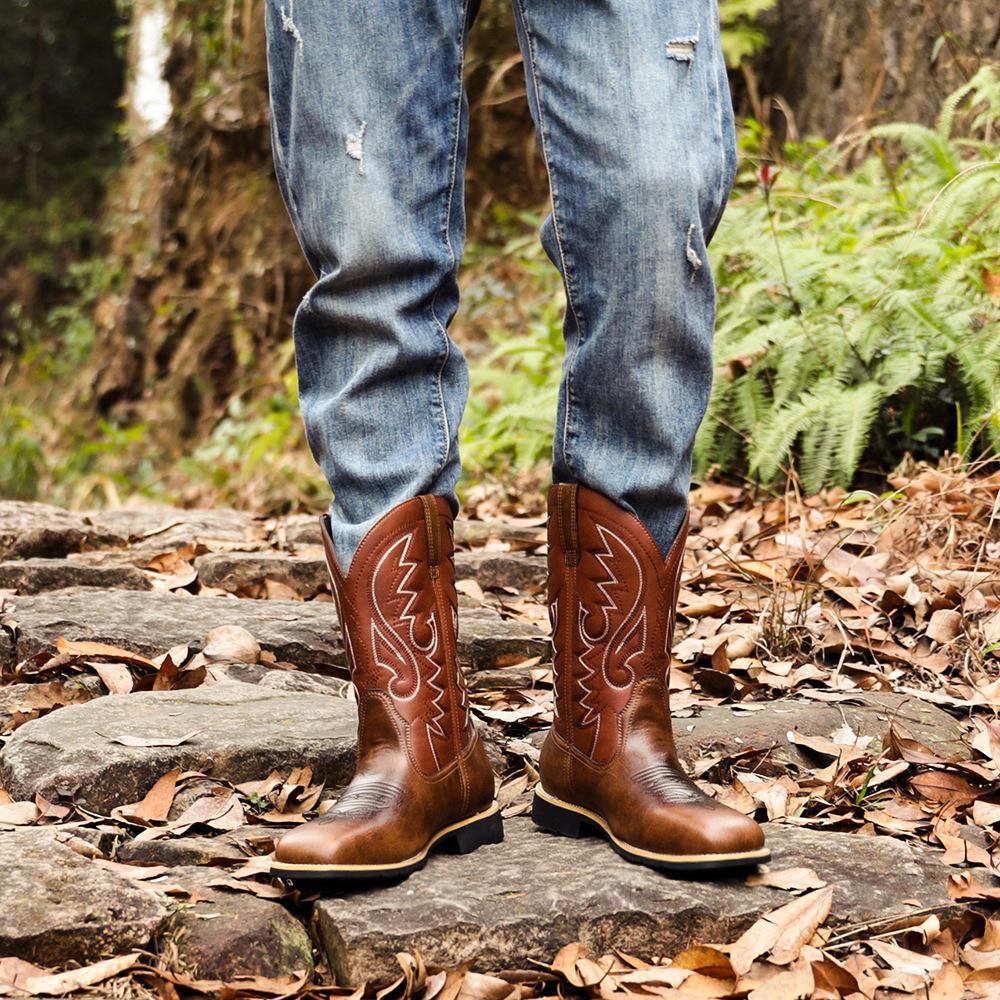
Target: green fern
[
  {"x": 865, "y": 339},
  {"x": 742, "y": 35}
]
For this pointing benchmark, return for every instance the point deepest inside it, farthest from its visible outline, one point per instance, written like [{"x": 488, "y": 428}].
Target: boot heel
[
  {"x": 488, "y": 830},
  {"x": 554, "y": 818}
]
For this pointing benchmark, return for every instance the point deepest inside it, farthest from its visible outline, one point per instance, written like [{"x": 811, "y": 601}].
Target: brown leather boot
[
  {"x": 609, "y": 760},
  {"x": 422, "y": 778}
]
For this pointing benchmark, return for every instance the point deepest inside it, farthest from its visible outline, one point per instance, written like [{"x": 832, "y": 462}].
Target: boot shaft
[
  {"x": 398, "y": 607},
  {"x": 612, "y": 600}
]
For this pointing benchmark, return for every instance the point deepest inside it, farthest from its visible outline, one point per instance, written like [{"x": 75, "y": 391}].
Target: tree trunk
[{"x": 839, "y": 64}]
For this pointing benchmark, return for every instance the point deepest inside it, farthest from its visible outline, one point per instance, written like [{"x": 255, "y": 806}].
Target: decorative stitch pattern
[
  {"x": 392, "y": 651},
  {"x": 616, "y": 643},
  {"x": 668, "y": 784}
]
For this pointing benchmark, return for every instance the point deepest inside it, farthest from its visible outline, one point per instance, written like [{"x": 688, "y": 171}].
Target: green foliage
[
  {"x": 97, "y": 461},
  {"x": 514, "y": 387},
  {"x": 92, "y": 465},
  {"x": 209, "y": 23},
  {"x": 256, "y": 452},
  {"x": 742, "y": 35},
  {"x": 21, "y": 457},
  {"x": 854, "y": 326},
  {"x": 55, "y": 346},
  {"x": 255, "y": 456},
  {"x": 854, "y": 320},
  {"x": 61, "y": 78}
]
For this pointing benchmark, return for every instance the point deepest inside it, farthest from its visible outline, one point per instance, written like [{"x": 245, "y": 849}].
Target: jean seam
[
  {"x": 293, "y": 208},
  {"x": 282, "y": 173},
  {"x": 532, "y": 67},
  {"x": 726, "y": 174},
  {"x": 439, "y": 378}
]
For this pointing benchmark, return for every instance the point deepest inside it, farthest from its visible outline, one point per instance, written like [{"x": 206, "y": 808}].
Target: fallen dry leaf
[
  {"x": 155, "y": 807},
  {"x": 904, "y": 960},
  {"x": 788, "y": 985},
  {"x": 95, "y": 649},
  {"x": 151, "y": 741},
  {"x": 61, "y": 983},
  {"x": 790, "y": 879},
  {"x": 19, "y": 813},
  {"x": 963, "y": 886},
  {"x": 708, "y": 961},
  {"x": 14, "y": 972},
  {"x": 943, "y": 786},
  {"x": 140, "y": 873},
  {"x": 948, "y": 984},
  {"x": 116, "y": 677},
  {"x": 565, "y": 962},
  {"x": 782, "y": 932}
]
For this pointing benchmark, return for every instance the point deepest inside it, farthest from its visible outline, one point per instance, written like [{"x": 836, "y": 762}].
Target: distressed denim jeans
[{"x": 369, "y": 126}]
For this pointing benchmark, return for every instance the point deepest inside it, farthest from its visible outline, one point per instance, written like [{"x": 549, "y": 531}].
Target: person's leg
[
  {"x": 633, "y": 113},
  {"x": 634, "y": 117},
  {"x": 369, "y": 129},
  {"x": 369, "y": 125}
]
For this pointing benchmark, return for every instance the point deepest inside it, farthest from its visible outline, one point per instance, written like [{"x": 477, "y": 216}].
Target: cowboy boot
[
  {"x": 609, "y": 761},
  {"x": 422, "y": 778}
]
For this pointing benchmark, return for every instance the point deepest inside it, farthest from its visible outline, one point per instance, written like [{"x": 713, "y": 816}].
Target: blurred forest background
[{"x": 148, "y": 274}]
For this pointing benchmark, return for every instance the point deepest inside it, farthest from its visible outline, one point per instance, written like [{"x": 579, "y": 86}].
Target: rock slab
[
  {"x": 307, "y": 574},
  {"x": 34, "y": 576},
  {"x": 239, "y": 572},
  {"x": 236, "y": 731},
  {"x": 731, "y": 729},
  {"x": 151, "y": 623},
  {"x": 38, "y": 529},
  {"x": 512, "y": 904},
  {"x": 869, "y": 714},
  {"x": 493, "y": 570},
  {"x": 58, "y": 907},
  {"x": 223, "y": 850},
  {"x": 227, "y": 933},
  {"x": 303, "y": 633}
]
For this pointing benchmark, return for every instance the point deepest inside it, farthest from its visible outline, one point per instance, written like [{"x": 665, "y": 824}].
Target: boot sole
[
  {"x": 557, "y": 816},
  {"x": 464, "y": 837}
]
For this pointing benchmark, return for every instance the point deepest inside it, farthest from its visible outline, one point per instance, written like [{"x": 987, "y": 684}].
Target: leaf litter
[{"x": 818, "y": 600}]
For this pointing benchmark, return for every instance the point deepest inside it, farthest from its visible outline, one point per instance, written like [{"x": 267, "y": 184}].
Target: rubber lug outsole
[
  {"x": 568, "y": 823},
  {"x": 463, "y": 840}
]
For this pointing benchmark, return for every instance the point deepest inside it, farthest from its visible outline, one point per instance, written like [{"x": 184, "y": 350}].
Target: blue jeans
[{"x": 369, "y": 126}]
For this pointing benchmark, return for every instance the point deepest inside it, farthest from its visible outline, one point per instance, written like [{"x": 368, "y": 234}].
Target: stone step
[
  {"x": 296, "y": 531},
  {"x": 39, "y": 530},
  {"x": 58, "y": 907},
  {"x": 307, "y": 575},
  {"x": 265, "y": 718},
  {"x": 481, "y": 908},
  {"x": 227, "y": 934},
  {"x": 235, "y": 731},
  {"x": 764, "y": 726},
  {"x": 38, "y": 575},
  {"x": 160, "y": 528},
  {"x": 867, "y": 713},
  {"x": 495, "y": 570},
  {"x": 303, "y": 633},
  {"x": 241, "y": 573}
]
